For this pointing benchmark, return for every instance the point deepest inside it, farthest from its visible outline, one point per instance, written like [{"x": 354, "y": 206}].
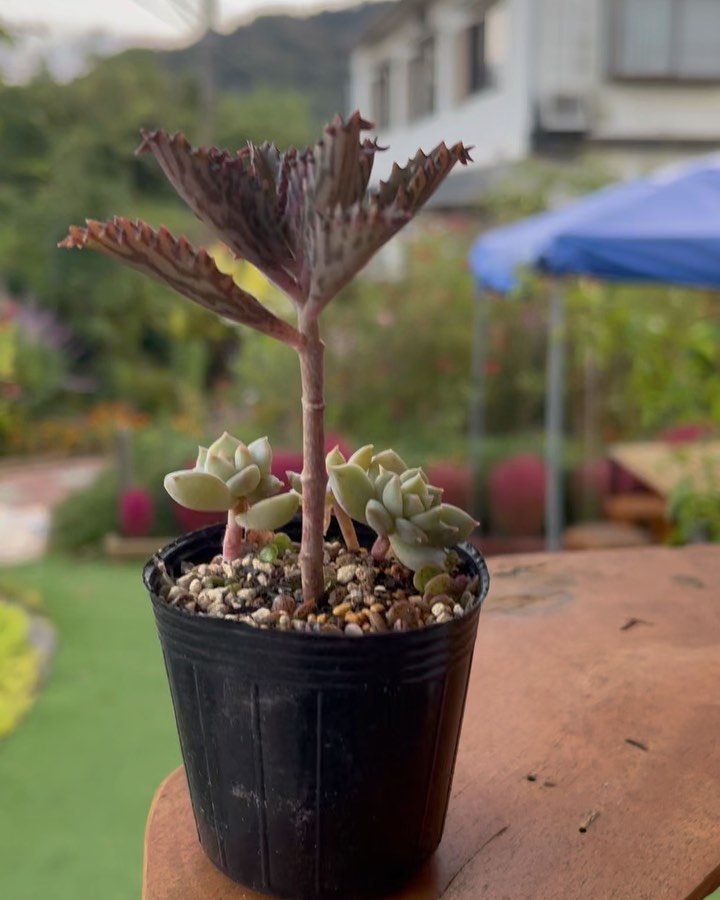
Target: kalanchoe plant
[
  {"x": 229, "y": 475},
  {"x": 306, "y": 220}
]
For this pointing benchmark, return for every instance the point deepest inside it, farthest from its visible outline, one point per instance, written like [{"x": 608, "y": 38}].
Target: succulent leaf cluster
[
  {"x": 399, "y": 504},
  {"x": 230, "y": 475},
  {"x": 309, "y": 221}
]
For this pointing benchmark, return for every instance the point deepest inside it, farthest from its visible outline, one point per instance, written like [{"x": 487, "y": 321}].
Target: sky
[{"x": 153, "y": 19}]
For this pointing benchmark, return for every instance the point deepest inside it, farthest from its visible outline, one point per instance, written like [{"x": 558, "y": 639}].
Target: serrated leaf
[
  {"x": 352, "y": 489},
  {"x": 269, "y": 514},
  {"x": 414, "y": 184},
  {"x": 236, "y": 196},
  {"x": 378, "y": 518},
  {"x": 416, "y": 556},
  {"x": 343, "y": 242},
  {"x": 245, "y": 482},
  {"x": 198, "y": 490},
  {"x": 410, "y": 533},
  {"x": 342, "y": 163},
  {"x": 346, "y": 237},
  {"x": 362, "y": 457},
  {"x": 261, "y": 453},
  {"x": 176, "y": 263},
  {"x": 392, "y": 496}
]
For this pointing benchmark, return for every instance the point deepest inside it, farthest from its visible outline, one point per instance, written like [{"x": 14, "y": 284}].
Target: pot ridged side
[{"x": 318, "y": 765}]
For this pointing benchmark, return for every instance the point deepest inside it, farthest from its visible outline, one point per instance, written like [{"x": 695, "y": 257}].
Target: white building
[{"x": 511, "y": 76}]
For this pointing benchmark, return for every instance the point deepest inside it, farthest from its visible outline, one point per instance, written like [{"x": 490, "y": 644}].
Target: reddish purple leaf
[{"x": 175, "y": 262}]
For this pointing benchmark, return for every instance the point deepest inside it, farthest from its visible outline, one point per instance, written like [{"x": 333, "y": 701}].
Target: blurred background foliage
[{"x": 87, "y": 347}]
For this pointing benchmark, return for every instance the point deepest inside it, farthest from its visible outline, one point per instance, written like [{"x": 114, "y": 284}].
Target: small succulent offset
[
  {"x": 232, "y": 476},
  {"x": 399, "y": 504},
  {"x": 308, "y": 221}
]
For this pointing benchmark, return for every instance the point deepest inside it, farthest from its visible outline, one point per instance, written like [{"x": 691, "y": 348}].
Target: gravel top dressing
[{"x": 362, "y": 595}]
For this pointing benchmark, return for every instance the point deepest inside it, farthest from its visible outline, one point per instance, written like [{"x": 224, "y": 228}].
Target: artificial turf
[{"x": 77, "y": 776}]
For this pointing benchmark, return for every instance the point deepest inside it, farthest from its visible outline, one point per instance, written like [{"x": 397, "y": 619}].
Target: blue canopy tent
[{"x": 661, "y": 228}]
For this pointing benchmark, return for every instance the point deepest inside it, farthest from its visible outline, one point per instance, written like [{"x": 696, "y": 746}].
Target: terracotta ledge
[{"x": 589, "y": 764}]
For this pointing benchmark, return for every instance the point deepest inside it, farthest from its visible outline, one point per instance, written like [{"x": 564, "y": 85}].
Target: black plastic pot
[{"x": 319, "y": 766}]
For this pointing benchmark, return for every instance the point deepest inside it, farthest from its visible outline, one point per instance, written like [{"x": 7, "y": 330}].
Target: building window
[
  {"x": 381, "y": 96},
  {"x": 667, "y": 39},
  {"x": 422, "y": 80},
  {"x": 480, "y": 51},
  {"x": 478, "y": 73}
]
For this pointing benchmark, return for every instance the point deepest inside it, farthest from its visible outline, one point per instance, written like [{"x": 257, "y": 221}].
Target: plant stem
[
  {"x": 314, "y": 476},
  {"x": 347, "y": 528},
  {"x": 234, "y": 540}
]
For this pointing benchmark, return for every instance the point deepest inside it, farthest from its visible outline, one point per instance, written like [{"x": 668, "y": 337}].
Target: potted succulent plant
[{"x": 318, "y": 673}]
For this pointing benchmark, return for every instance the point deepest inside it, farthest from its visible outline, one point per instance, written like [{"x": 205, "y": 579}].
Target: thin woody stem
[
  {"x": 347, "y": 528},
  {"x": 234, "y": 540},
  {"x": 314, "y": 476}
]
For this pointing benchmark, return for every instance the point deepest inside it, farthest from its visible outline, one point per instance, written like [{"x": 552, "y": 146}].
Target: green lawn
[{"x": 77, "y": 777}]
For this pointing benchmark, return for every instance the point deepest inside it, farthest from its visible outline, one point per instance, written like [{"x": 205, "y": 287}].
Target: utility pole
[{"x": 208, "y": 69}]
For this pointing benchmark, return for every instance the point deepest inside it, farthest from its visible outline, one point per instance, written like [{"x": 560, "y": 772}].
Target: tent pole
[
  {"x": 477, "y": 397},
  {"x": 554, "y": 426}
]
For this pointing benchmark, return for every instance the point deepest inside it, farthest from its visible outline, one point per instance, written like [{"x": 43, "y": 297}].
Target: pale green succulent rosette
[
  {"x": 361, "y": 457},
  {"x": 400, "y": 505},
  {"x": 229, "y": 475}
]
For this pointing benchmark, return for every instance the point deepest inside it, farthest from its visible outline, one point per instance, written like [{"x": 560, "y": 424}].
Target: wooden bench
[{"x": 589, "y": 765}]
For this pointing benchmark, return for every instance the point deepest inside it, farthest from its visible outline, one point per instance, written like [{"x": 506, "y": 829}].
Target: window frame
[
  {"x": 420, "y": 111},
  {"x": 674, "y": 74},
  {"x": 380, "y": 94},
  {"x": 473, "y": 85}
]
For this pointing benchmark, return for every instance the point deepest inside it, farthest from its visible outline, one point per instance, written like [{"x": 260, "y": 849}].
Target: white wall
[
  {"x": 652, "y": 112},
  {"x": 573, "y": 52},
  {"x": 546, "y": 48},
  {"x": 496, "y": 121}
]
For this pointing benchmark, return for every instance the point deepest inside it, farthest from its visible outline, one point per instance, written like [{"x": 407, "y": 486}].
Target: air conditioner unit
[{"x": 564, "y": 113}]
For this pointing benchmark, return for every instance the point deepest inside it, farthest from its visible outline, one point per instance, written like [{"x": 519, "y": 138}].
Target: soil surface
[{"x": 363, "y": 595}]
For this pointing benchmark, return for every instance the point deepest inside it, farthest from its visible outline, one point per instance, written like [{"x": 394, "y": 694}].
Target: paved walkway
[{"x": 28, "y": 492}]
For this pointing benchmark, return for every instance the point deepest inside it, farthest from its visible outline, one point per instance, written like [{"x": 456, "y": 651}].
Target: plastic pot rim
[{"x": 151, "y": 578}]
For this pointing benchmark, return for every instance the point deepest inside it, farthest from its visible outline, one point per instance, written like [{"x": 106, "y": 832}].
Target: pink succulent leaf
[
  {"x": 235, "y": 196},
  {"x": 175, "y": 262}
]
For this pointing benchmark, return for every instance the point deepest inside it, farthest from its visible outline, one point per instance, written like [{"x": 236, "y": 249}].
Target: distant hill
[{"x": 310, "y": 55}]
